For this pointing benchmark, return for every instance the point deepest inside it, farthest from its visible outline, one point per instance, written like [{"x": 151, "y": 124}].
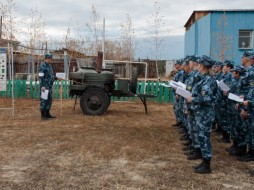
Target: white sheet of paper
[
  {"x": 182, "y": 85},
  {"x": 182, "y": 92},
  {"x": 175, "y": 84},
  {"x": 223, "y": 86},
  {"x": 165, "y": 85},
  {"x": 60, "y": 75},
  {"x": 235, "y": 97},
  {"x": 44, "y": 95}
]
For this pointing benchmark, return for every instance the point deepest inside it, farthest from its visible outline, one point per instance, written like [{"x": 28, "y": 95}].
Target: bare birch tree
[
  {"x": 37, "y": 39},
  {"x": 74, "y": 41},
  {"x": 7, "y": 10},
  {"x": 113, "y": 50},
  {"x": 94, "y": 28},
  {"x": 155, "y": 28},
  {"x": 128, "y": 40}
]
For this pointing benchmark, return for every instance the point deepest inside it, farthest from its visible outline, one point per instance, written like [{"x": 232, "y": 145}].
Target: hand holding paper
[
  {"x": 235, "y": 97},
  {"x": 182, "y": 92},
  {"x": 44, "y": 95},
  {"x": 174, "y": 84},
  {"x": 223, "y": 86},
  {"x": 60, "y": 76}
]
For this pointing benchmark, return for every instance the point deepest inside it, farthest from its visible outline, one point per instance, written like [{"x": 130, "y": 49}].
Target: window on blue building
[{"x": 245, "y": 39}]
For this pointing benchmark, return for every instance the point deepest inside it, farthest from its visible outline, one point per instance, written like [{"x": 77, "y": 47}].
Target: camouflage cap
[
  {"x": 194, "y": 58},
  {"x": 186, "y": 60},
  {"x": 178, "y": 62},
  {"x": 229, "y": 63},
  {"x": 48, "y": 56},
  {"x": 206, "y": 61},
  {"x": 218, "y": 64},
  {"x": 248, "y": 54},
  {"x": 239, "y": 69}
]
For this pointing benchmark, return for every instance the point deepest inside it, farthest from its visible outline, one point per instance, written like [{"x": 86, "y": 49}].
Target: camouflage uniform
[
  {"x": 250, "y": 119},
  {"x": 177, "y": 78},
  {"x": 223, "y": 103},
  {"x": 46, "y": 78},
  {"x": 194, "y": 78},
  {"x": 218, "y": 76},
  {"x": 246, "y": 83},
  {"x": 204, "y": 95},
  {"x": 231, "y": 111},
  {"x": 180, "y": 101}
]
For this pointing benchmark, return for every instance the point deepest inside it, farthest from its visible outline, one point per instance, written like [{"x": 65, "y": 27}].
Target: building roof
[{"x": 196, "y": 15}]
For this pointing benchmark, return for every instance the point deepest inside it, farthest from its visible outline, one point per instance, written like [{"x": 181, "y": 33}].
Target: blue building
[{"x": 220, "y": 34}]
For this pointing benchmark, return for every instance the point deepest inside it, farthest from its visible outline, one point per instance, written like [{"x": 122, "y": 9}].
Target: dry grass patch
[{"x": 123, "y": 149}]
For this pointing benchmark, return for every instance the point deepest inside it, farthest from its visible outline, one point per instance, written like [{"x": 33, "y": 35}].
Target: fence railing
[{"x": 24, "y": 89}]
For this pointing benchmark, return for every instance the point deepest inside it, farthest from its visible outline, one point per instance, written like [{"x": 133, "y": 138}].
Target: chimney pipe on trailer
[{"x": 99, "y": 61}]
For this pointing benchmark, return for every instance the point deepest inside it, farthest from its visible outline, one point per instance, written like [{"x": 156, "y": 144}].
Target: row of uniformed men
[{"x": 209, "y": 104}]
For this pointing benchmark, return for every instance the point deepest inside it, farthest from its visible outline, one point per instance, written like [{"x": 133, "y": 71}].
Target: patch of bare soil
[{"x": 123, "y": 149}]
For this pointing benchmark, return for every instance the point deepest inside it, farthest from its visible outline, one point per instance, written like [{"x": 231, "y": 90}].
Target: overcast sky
[
  {"x": 58, "y": 13},
  {"x": 61, "y": 14}
]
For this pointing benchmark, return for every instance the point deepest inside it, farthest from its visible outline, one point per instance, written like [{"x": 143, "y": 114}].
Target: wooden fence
[{"x": 24, "y": 89}]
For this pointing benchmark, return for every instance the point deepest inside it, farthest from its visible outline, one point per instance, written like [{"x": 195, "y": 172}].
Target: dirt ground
[{"x": 123, "y": 149}]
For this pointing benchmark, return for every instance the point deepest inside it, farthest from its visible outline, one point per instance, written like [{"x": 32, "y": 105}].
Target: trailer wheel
[
  {"x": 94, "y": 101},
  {"x": 134, "y": 80}
]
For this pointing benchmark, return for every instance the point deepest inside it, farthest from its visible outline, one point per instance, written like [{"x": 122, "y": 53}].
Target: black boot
[
  {"x": 48, "y": 115},
  {"x": 199, "y": 165},
  {"x": 204, "y": 167},
  {"x": 225, "y": 137},
  {"x": 218, "y": 129},
  {"x": 43, "y": 115},
  {"x": 187, "y": 143},
  {"x": 214, "y": 126},
  {"x": 232, "y": 147},
  {"x": 188, "y": 148},
  {"x": 249, "y": 157},
  {"x": 184, "y": 137},
  {"x": 196, "y": 154},
  {"x": 239, "y": 151},
  {"x": 177, "y": 124},
  {"x": 189, "y": 152}
]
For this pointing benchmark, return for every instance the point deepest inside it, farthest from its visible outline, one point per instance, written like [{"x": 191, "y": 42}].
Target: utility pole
[
  {"x": 103, "y": 44},
  {"x": 1, "y": 28}
]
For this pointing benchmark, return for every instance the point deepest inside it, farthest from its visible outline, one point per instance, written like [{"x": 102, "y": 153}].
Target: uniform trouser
[
  {"x": 240, "y": 130},
  {"x": 252, "y": 132},
  {"x": 224, "y": 118},
  {"x": 204, "y": 119},
  {"x": 217, "y": 114},
  {"x": 176, "y": 110},
  {"x": 181, "y": 112},
  {"x": 247, "y": 127},
  {"x": 232, "y": 126},
  {"x": 193, "y": 129},
  {"x": 45, "y": 105}
]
